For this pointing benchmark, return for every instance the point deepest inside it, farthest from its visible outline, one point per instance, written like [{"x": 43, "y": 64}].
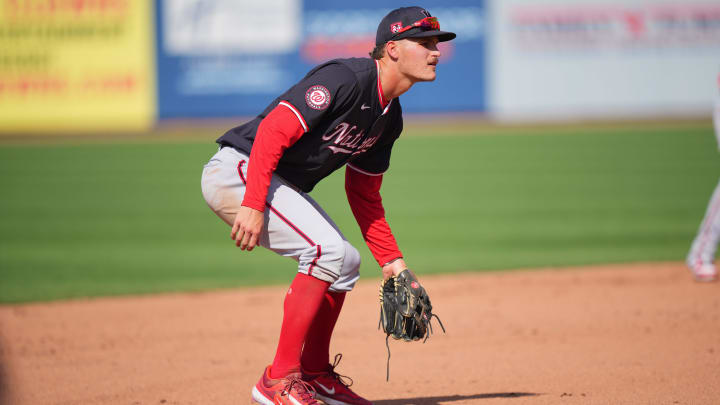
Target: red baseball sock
[
  {"x": 316, "y": 353},
  {"x": 302, "y": 301}
]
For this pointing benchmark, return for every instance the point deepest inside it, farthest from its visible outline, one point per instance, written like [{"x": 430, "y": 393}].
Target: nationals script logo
[{"x": 348, "y": 142}]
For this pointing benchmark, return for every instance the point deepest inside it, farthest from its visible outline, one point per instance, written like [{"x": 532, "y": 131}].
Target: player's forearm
[
  {"x": 381, "y": 241},
  {"x": 279, "y": 130},
  {"x": 363, "y": 194}
]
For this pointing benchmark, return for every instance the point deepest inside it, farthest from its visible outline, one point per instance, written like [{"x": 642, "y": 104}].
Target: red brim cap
[
  {"x": 442, "y": 36},
  {"x": 395, "y": 20}
]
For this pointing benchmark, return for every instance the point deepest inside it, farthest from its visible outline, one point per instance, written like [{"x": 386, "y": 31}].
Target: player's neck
[{"x": 392, "y": 81}]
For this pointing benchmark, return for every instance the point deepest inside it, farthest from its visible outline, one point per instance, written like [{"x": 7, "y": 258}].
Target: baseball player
[
  {"x": 344, "y": 112},
  {"x": 701, "y": 257}
]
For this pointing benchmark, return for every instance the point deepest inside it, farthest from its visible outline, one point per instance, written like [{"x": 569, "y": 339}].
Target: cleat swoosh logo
[{"x": 328, "y": 390}]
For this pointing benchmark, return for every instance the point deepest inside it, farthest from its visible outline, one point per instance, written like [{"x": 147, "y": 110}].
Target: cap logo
[
  {"x": 395, "y": 27},
  {"x": 317, "y": 97}
]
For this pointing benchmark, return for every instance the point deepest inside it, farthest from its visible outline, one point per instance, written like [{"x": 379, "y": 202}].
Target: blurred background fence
[{"x": 119, "y": 65}]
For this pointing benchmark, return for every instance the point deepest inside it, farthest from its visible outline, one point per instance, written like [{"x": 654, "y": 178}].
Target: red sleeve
[
  {"x": 363, "y": 192},
  {"x": 277, "y": 131}
]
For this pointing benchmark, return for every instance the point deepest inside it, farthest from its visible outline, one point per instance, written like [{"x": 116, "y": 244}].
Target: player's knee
[
  {"x": 340, "y": 256},
  {"x": 350, "y": 271},
  {"x": 335, "y": 261},
  {"x": 352, "y": 260}
]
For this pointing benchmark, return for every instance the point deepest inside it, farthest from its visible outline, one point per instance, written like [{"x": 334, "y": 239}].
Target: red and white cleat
[
  {"x": 704, "y": 272},
  {"x": 290, "y": 390}
]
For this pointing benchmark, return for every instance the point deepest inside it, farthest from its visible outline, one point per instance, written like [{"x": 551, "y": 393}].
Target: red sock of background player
[
  {"x": 316, "y": 353},
  {"x": 302, "y": 301}
]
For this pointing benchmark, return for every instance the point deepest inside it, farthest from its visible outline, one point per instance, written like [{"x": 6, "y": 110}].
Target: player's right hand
[
  {"x": 247, "y": 227},
  {"x": 394, "y": 268}
]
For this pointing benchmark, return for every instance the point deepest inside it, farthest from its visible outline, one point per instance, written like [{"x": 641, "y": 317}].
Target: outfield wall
[
  {"x": 88, "y": 65},
  {"x": 618, "y": 58},
  {"x": 216, "y": 59},
  {"x": 76, "y": 65}
]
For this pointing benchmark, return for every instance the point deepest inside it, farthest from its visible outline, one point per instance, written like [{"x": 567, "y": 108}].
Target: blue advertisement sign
[{"x": 224, "y": 58}]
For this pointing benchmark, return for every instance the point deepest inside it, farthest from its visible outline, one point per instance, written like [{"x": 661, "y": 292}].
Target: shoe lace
[
  {"x": 342, "y": 379},
  {"x": 305, "y": 391}
]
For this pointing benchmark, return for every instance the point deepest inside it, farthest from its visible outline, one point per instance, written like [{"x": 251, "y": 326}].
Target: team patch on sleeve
[{"x": 317, "y": 97}]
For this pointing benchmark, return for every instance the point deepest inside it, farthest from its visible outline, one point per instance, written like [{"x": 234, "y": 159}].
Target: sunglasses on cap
[{"x": 427, "y": 23}]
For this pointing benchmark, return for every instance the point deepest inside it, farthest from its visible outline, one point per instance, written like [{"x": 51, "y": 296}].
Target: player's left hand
[
  {"x": 405, "y": 310},
  {"x": 247, "y": 227}
]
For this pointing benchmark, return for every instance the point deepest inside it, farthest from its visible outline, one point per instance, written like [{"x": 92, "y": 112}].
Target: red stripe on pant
[{"x": 287, "y": 221}]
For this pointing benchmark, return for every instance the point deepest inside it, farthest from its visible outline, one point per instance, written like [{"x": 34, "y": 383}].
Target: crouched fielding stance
[{"x": 344, "y": 112}]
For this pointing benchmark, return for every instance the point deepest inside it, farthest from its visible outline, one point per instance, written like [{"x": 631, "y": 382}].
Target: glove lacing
[{"x": 428, "y": 332}]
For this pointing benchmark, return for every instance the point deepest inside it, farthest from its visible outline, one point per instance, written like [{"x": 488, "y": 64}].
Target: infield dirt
[{"x": 630, "y": 334}]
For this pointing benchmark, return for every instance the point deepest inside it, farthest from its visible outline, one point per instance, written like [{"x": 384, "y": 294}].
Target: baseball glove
[{"x": 405, "y": 310}]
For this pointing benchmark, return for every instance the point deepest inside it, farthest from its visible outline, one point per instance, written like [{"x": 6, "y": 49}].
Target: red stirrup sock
[
  {"x": 302, "y": 301},
  {"x": 316, "y": 353}
]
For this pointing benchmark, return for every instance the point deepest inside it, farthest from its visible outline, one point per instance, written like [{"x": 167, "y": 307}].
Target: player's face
[{"x": 418, "y": 58}]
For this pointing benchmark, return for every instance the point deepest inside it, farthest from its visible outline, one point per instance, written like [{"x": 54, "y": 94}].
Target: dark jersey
[{"x": 339, "y": 105}]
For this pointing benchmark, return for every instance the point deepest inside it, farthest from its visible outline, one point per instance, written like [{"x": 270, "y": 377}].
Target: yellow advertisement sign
[{"x": 76, "y": 65}]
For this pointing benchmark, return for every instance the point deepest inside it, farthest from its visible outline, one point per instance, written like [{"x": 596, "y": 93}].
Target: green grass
[{"x": 125, "y": 217}]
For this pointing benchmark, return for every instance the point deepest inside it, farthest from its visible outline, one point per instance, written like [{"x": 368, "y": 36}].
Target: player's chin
[
  {"x": 429, "y": 74},
  {"x": 432, "y": 71}
]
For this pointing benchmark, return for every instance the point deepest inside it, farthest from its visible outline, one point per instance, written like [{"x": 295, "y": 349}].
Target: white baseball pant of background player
[
  {"x": 295, "y": 225},
  {"x": 701, "y": 257}
]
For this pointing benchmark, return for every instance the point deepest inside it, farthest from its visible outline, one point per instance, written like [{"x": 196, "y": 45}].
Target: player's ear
[{"x": 391, "y": 49}]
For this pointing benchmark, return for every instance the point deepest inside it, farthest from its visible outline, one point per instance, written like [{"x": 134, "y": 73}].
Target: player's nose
[{"x": 435, "y": 51}]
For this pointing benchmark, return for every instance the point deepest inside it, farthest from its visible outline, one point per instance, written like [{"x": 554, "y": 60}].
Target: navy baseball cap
[{"x": 410, "y": 22}]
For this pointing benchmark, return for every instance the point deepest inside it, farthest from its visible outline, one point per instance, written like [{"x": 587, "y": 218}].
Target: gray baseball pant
[{"x": 295, "y": 225}]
